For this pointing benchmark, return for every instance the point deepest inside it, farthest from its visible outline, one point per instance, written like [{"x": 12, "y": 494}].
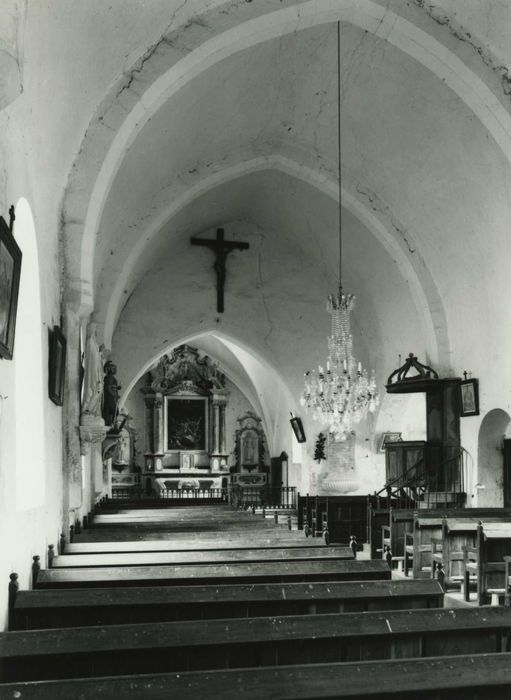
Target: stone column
[
  {"x": 218, "y": 453},
  {"x": 222, "y": 429},
  {"x": 71, "y": 457},
  {"x": 159, "y": 447},
  {"x": 216, "y": 428},
  {"x": 91, "y": 438},
  {"x": 149, "y": 442},
  {"x": 97, "y": 466}
]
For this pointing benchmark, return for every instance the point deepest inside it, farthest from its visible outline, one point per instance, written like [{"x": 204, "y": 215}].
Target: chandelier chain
[
  {"x": 342, "y": 393},
  {"x": 339, "y": 146}
]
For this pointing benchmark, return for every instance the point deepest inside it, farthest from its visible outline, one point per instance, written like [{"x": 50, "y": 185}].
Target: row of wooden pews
[
  {"x": 463, "y": 548},
  {"x": 286, "y": 620}
]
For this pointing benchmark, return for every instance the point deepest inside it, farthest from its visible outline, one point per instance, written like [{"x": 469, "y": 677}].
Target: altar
[{"x": 185, "y": 401}]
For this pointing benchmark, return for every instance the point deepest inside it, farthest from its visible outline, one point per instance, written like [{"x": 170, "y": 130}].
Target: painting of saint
[{"x": 249, "y": 448}]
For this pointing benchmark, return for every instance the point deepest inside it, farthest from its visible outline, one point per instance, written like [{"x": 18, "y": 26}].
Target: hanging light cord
[{"x": 339, "y": 144}]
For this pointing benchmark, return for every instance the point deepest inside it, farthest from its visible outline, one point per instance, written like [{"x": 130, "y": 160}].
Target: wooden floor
[{"x": 222, "y": 603}]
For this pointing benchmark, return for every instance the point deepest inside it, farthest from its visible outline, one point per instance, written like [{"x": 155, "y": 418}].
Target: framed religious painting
[
  {"x": 56, "y": 365},
  {"x": 469, "y": 397},
  {"x": 187, "y": 423},
  {"x": 386, "y": 438},
  {"x": 10, "y": 269},
  {"x": 297, "y": 425}
]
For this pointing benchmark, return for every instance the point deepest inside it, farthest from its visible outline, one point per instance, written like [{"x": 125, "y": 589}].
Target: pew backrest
[{"x": 263, "y": 641}]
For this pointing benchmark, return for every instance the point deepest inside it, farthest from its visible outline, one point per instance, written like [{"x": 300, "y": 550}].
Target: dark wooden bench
[
  {"x": 127, "y": 534},
  {"x": 245, "y": 643},
  {"x": 169, "y": 516},
  {"x": 39, "y": 609},
  {"x": 485, "y": 563},
  {"x": 194, "y": 543},
  {"x": 201, "y": 557},
  {"x": 471, "y": 677},
  {"x": 155, "y": 530},
  {"x": 424, "y": 530},
  {"x": 447, "y": 534},
  {"x": 342, "y": 516},
  {"x": 447, "y": 551},
  {"x": 401, "y": 521},
  {"x": 408, "y": 552},
  {"x": 182, "y": 575}
]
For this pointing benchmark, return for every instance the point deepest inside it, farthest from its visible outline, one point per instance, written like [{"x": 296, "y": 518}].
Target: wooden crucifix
[{"x": 220, "y": 248}]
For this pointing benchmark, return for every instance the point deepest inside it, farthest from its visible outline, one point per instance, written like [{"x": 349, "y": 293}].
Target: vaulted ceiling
[{"x": 186, "y": 117}]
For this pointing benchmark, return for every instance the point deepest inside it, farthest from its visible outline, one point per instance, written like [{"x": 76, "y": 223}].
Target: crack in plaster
[
  {"x": 348, "y": 78},
  {"x": 378, "y": 206},
  {"x": 438, "y": 15},
  {"x": 149, "y": 53}
]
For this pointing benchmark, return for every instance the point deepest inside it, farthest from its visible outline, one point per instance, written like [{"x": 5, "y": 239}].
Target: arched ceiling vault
[
  {"x": 168, "y": 66},
  {"x": 411, "y": 268}
]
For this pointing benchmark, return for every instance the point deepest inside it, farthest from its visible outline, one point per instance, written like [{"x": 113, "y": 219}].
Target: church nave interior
[{"x": 191, "y": 192}]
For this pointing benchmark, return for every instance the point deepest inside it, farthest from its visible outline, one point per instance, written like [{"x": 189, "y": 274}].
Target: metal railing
[
  {"x": 439, "y": 484},
  {"x": 268, "y": 497},
  {"x": 197, "y": 494},
  {"x": 137, "y": 494}
]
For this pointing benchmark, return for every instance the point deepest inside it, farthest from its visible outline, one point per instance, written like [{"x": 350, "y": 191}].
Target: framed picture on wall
[
  {"x": 297, "y": 425},
  {"x": 469, "y": 398},
  {"x": 187, "y": 424},
  {"x": 10, "y": 269},
  {"x": 386, "y": 438},
  {"x": 56, "y": 365}
]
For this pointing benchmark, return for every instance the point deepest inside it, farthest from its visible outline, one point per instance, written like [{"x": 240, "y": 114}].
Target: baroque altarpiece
[{"x": 185, "y": 401}]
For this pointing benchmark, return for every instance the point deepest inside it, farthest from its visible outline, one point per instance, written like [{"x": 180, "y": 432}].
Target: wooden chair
[{"x": 408, "y": 555}]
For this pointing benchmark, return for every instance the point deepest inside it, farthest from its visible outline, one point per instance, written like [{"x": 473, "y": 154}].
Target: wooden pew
[
  {"x": 280, "y": 554},
  {"x": 424, "y": 530},
  {"x": 447, "y": 552},
  {"x": 408, "y": 552},
  {"x": 394, "y": 525},
  {"x": 471, "y": 677},
  {"x": 194, "y": 543},
  {"x": 485, "y": 563},
  {"x": 258, "y": 537},
  {"x": 163, "y": 529},
  {"x": 243, "y": 643},
  {"x": 180, "y": 515},
  {"x": 342, "y": 516},
  {"x": 401, "y": 521},
  {"x": 219, "y": 539},
  {"x": 182, "y": 575},
  {"x": 447, "y": 535},
  {"x": 39, "y": 609}
]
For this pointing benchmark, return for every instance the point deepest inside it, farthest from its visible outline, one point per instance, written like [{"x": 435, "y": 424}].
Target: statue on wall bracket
[{"x": 110, "y": 393}]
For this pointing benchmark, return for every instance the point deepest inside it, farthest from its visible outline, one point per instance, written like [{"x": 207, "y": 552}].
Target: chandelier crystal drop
[{"x": 342, "y": 393}]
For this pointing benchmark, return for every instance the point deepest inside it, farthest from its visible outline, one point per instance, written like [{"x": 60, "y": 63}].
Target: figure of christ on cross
[{"x": 220, "y": 248}]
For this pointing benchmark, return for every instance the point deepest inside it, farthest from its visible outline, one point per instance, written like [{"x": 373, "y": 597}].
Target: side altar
[{"x": 185, "y": 400}]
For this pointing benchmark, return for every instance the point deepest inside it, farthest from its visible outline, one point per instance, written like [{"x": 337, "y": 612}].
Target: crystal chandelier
[{"x": 342, "y": 393}]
